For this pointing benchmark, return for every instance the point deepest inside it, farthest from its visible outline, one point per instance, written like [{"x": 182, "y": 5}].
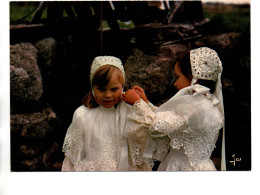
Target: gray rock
[
  {"x": 46, "y": 51},
  {"x": 221, "y": 43},
  {"x": 25, "y": 76},
  {"x": 31, "y": 164},
  {"x": 37, "y": 159},
  {"x": 35, "y": 125},
  {"x": 154, "y": 73}
]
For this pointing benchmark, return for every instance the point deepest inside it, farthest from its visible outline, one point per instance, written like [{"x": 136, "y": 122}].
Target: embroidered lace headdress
[
  {"x": 102, "y": 61},
  {"x": 206, "y": 65}
]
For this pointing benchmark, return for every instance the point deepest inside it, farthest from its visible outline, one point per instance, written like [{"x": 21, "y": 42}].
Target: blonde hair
[{"x": 101, "y": 78}]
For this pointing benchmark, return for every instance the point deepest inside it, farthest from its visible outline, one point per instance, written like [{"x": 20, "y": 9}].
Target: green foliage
[
  {"x": 128, "y": 25},
  {"x": 21, "y": 12},
  {"x": 237, "y": 20}
]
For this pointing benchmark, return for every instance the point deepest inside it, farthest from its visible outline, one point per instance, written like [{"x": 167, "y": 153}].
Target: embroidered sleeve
[
  {"x": 136, "y": 134},
  {"x": 168, "y": 123},
  {"x": 196, "y": 136},
  {"x": 158, "y": 124},
  {"x": 186, "y": 127},
  {"x": 153, "y": 107},
  {"x": 139, "y": 119}
]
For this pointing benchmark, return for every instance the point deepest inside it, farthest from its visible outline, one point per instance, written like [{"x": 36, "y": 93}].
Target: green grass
[{"x": 234, "y": 21}]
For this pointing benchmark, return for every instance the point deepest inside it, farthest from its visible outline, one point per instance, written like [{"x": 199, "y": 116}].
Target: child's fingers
[
  {"x": 138, "y": 88},
  {"x": 138, "y": 92}
]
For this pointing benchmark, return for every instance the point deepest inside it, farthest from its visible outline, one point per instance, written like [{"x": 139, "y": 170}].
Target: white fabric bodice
[
  {"x": 182, "y": 132},
  {"x": 94, "y": 140}
]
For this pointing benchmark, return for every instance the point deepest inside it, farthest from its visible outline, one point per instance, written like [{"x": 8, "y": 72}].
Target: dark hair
[
  {"x": 101, "y": 78},
  {"x": 209, "y": 84},
  {"x": 184, "y": 64}
]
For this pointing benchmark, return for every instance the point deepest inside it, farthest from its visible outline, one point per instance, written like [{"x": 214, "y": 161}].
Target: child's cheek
[{"x": 118, "y": 97}]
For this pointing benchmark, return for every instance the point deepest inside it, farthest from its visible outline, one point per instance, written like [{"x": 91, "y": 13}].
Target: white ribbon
[
  {"x": 120, "y": 123},
  {"x": 218, "y": 94},
  {"x": 193, "y": 81}
]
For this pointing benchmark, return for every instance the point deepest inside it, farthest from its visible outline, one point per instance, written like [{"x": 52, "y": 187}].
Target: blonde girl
[{"x": 95, "y": 139}]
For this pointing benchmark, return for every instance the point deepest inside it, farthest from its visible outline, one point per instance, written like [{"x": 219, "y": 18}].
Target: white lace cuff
[
  {"x": 168, "y": 123},
  {"x": 141, "y": 114},
  {"x": 153, "y": 107}
]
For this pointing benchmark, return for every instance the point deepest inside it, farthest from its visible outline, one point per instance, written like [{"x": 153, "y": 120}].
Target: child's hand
[
  {"x": 141, "y": 93},
  {"x": 130, "y": 96}
]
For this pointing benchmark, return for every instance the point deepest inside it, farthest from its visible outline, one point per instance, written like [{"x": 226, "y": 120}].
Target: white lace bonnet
[
  {"x": 102, "y": 61},
  {"x": 206, "y": 65}
]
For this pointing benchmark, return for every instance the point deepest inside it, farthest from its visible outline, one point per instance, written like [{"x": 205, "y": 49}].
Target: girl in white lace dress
[
  {"x": 94, "y": 140},
  {"x": 182, "y": 132}
]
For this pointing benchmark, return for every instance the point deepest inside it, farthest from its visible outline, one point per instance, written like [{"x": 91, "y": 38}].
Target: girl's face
[
  {"x": 181, "y": 81},
  {"x": 109, "y": 95}
]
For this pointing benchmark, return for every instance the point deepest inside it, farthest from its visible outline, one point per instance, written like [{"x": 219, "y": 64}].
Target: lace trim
[
  {"x": 85, "y": 166},
  {"x": 160, "y": 146},
  {"x": 161, "y": 149},
  {"x": 73, "y": 144},
  {"x": 136, "y": 152},
  {"x": 107, "y": 159},
  {"x": 198, "y": 145},
  {"x": 135, "y": 115},
  {"x": 137, "y": 109},
  {"x": 169, "y": 122},
  {"x": 153, "y": 107},
  {"x": 136, "y": 136}
]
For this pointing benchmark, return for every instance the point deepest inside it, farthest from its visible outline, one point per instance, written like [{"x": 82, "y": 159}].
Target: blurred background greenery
[
  {"x": 228, "y": 18},
  {"x": 22, "y": 12}
]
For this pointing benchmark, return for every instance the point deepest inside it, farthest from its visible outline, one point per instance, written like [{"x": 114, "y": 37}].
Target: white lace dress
[
  {"x": 95, "y": 141},
  {"x": 182, "y": 132}
]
